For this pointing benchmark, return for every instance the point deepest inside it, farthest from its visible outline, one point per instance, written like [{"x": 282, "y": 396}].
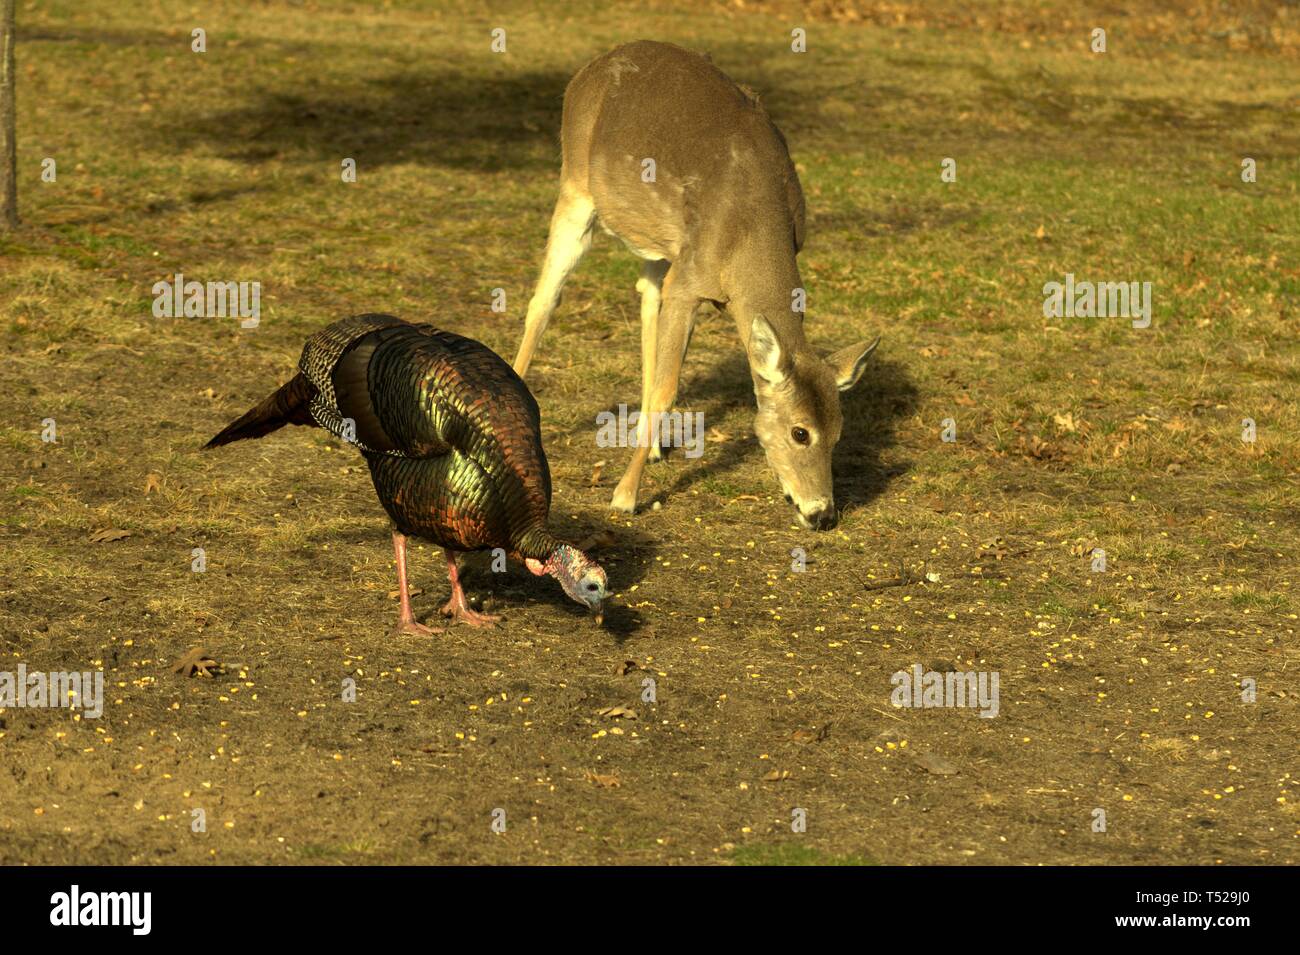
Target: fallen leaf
[
  {"x": 594, "y": 480},
  {"x": 604, "y": 781},
  {"x": 108, "y": 534},
  {"x": 1065, "y": 423},
  {"x": 195, "y": 663},
  {"x": 410, "y": 592},
  {"x": 601, "y": 539},
  {"x": 1038, "y": 449},
  {"x": 995, "y": 548},
  {"x": 617, "y": 712},
  {"x": 626, "y": 667},
  {"x": 936, "y": 764},
  {"x": 776, "y": 776},
  {"x": 811, "y": 735},
  {"x": 152, "y": 482}
]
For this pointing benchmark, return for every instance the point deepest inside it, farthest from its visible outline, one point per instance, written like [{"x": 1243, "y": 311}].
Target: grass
[
  {"x": 791, "y": 855},
  {"x": 1121, "y": 689}
]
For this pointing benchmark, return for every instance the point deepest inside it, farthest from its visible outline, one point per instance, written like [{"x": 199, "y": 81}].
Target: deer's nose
[{"x": 821, "y": 520}]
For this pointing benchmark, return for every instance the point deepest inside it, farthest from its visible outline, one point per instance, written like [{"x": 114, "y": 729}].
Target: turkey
[{"x": 452, "y": 438}]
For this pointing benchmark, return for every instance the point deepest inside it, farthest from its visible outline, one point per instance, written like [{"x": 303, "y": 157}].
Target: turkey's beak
[{"x": 597, "y": 611}]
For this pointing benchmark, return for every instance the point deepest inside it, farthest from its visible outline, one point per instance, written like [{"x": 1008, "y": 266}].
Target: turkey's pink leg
[
  {"x": 406, "y": 623},
  {"x": 458, "y": 607}
]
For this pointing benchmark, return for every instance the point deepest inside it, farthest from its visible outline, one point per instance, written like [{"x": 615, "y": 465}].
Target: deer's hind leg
[
  {"x": 650, "y": 285},
  {"x": 570, "y": 237}
]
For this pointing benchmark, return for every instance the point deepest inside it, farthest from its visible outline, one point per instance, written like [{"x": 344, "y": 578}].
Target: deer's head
[{"x": 799, "y": 420}]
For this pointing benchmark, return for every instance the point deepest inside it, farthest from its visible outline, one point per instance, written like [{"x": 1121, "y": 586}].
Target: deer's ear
[
  {"x": 849, "y": 363},
  {"x": 767, "y": 358}
]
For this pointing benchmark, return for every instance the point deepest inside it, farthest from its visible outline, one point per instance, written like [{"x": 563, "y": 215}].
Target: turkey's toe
[
  {"x": 413, "y": 628},
  {"x": 469, "y": 616}
]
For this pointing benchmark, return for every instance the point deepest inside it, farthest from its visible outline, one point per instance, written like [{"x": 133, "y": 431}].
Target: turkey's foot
[
  {"x": 458, "y": 608},
  {"x": 461, "y": 612},
  {"x": 413, "y": 628},
  {"x": 407, "y": 625}
]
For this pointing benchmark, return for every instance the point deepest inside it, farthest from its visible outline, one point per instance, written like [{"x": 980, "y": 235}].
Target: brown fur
[{"x": 722, "y": 223}]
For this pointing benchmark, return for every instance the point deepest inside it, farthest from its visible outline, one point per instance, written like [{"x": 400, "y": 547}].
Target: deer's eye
[{"x": 800, "y": 435}]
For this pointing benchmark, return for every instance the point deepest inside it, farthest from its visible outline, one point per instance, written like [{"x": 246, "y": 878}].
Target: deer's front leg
[{"x": 673, "y": 331}]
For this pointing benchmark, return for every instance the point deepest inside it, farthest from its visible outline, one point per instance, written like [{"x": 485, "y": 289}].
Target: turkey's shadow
[{"x": 625, "y": 559}]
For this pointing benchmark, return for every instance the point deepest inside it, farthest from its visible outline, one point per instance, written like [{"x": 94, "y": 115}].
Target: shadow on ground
[
  {"x": 451, "y": 119},
  {"x": 871, "y": 412}
]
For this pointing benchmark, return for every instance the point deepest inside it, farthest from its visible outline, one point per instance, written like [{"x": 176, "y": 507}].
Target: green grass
[{"x": 787, "y": 854}]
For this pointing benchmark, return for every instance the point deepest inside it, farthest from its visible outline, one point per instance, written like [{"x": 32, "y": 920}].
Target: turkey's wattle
[{"x": 452, "y": 436}]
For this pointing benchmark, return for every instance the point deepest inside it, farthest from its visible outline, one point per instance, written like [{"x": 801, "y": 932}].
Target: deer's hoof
[{"x": 623, "y": 501}]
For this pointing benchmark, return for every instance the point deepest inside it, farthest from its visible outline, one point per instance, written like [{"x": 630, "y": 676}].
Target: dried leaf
[
  {"x": 1065, "y": 423},
  {"x": 617, "y": 713},
  {"x": 601, "y": 539},
  {"x": 195, "y": 663},
  {"x": 152, "y": 482},
  {"x": 604, "y": 781},
  {"x": 410, "y": 592},
  {"x": 996, "y": 548},
  {"x": 811, "y": 735},
  {"x": 108, "y": 534},
  {"x": 936, "y": 764}
]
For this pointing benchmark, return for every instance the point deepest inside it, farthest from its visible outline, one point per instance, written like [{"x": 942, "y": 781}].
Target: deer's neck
[{"x": 761, "y": 277}]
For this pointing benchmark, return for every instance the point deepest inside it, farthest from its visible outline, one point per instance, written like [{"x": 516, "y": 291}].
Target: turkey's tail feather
[{"x": 288, "y": 405}]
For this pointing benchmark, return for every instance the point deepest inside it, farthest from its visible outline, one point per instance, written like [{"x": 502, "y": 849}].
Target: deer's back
[{"x": 712, "y": 144}]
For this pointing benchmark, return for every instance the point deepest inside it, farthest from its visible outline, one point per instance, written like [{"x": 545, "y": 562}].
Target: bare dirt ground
[{"x": 1120, "y": 691}]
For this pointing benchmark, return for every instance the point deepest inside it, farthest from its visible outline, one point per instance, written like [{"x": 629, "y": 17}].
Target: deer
[{"x": 683, "y": 165}]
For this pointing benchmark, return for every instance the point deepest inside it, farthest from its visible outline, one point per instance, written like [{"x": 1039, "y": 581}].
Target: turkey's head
[{"x": 581, "y": 577}]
